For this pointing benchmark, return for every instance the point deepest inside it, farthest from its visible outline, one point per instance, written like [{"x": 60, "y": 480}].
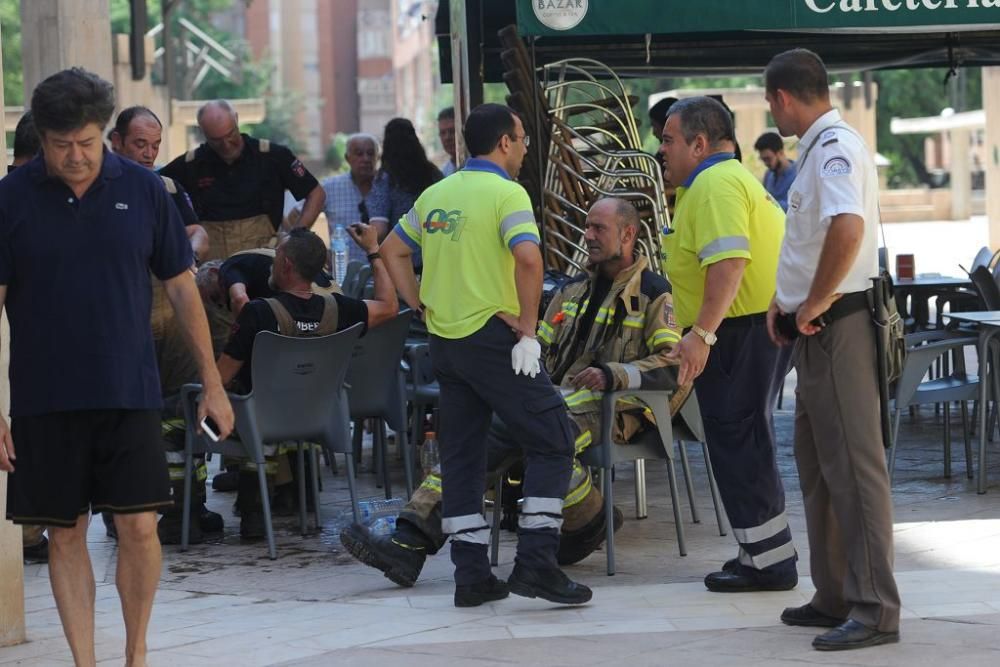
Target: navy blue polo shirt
[{"x": 79, "y": 290}]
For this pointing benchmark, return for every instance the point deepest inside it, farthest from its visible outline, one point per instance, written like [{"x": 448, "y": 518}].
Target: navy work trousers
[
  {"x": 477, "y": 381},
  {"x": 736, "y": 393}
]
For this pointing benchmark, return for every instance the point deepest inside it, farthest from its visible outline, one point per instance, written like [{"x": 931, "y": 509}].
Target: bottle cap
[{"x": 430, "y": 435}]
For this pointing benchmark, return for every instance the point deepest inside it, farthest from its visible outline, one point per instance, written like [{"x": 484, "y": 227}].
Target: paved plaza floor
[{"x": 225, "y": 603}]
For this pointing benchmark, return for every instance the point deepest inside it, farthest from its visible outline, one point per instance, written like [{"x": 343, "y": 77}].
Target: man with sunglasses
[{"x": 237, "y": 183}]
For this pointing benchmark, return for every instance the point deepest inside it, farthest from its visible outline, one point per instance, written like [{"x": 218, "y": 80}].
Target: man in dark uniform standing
[
  {"x": 481, "y": 286},
  {"x": 237, "y": 183}
]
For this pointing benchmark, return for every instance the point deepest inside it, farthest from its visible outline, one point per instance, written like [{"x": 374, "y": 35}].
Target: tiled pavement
[{"x": 225, "y": 603}]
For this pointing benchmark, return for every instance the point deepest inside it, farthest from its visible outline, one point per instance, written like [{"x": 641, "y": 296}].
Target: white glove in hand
[{"x": 525, "y": 356}]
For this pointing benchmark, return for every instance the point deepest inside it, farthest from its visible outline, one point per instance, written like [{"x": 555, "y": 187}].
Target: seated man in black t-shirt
[{"x": 296, "y": 310}]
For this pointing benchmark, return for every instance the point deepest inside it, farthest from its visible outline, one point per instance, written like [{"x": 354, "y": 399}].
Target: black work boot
[
  {"x": 576, "y": 545},
  {"x": 397, "y": 556},
  {"x": 549, "y": 584},
  {"x": 169, "y": 528},
  {"x": 473, "y": 595},
  {"x": 251, "y": 508}
]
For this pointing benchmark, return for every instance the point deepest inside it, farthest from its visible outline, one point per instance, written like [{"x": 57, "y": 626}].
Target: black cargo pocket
[{"x": 547, "y": 417}]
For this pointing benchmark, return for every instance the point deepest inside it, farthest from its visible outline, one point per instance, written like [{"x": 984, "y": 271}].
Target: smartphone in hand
[{"x": 210, "y": 428}]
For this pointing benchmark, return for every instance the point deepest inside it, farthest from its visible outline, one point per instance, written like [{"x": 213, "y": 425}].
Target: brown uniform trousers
[{"x": 842, "y": 472}]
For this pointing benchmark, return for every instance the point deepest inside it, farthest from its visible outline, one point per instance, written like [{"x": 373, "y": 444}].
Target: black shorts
[{"x": 70, "y": 463}]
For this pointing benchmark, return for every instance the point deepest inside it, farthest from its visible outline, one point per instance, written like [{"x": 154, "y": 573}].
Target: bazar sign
[{"x": 637, "y": 17}]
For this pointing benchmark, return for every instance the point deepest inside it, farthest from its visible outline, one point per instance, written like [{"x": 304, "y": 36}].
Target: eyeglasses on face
[{"x": 523, "y": 138}]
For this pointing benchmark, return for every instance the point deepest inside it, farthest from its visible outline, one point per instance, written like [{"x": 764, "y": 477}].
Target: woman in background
[{"x": 405, "y": 173}]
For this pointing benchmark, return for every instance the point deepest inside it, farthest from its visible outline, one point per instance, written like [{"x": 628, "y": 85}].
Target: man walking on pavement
[
  {"x": 80, "y": 231},
  {"x": 721, "y": 258},
  {"x": 827, "y": 261},
  {"x": 480, "y": 298}
]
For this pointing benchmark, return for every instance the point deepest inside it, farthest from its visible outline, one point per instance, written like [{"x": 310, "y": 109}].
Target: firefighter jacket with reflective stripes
[{"x": 632, "y": 334}]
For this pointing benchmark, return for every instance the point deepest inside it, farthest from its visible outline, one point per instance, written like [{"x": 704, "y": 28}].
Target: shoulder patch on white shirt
[
  {"x": 829, "y": 134},
  {"x": 836, "y": 166}
]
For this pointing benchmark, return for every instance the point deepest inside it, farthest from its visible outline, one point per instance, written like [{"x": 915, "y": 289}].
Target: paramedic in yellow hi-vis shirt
[
  {"x": 721, "y": 258},
  {"x": 481, "y": 286}
]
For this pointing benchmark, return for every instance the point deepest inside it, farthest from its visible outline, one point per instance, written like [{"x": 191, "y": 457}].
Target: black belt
[
  {"x": 846, "y": 305},
  {"x": 743, "y": 321}
]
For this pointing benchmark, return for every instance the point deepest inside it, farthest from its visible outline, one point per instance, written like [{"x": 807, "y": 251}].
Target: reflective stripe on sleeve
[
  {"x": 513, "y": 220},
  {"x": 724, "y": 244},
  {"x": 634, "y": 377}
]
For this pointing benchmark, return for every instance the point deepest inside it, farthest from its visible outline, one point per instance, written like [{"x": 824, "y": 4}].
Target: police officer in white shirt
[{"x": 827, "y": 260}]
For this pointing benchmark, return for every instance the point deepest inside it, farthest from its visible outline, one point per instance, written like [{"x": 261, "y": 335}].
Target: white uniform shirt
[{"x": 837, "y": 175}]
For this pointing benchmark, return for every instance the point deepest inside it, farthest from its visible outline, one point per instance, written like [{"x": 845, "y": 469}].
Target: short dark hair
[
  {"x": 306, "y": 251},
  {"x": 799, "y": 72},
  {"x": 769, "y": 141},
  {"x": 704, "y": 115},
  {"x": 448, "y": 113},
  {"x": 125, "y": 118},
  {"x": 486, "y": 125},
  {"x": 26, "y": 143},
  {"x": 71, "y": 99},
  {"x": 658, "y": 112}
]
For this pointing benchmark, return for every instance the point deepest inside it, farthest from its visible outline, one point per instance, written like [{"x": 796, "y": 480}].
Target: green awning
[{"x": 568, "y": 18}]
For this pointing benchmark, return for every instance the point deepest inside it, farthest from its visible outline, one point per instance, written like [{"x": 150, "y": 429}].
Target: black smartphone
[{"x": 785, "y": 326}]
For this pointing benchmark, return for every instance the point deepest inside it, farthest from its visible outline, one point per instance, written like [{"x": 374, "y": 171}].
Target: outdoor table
[
  {"x": 922, "y": 288},
  {"x": 988, "y": 322}
]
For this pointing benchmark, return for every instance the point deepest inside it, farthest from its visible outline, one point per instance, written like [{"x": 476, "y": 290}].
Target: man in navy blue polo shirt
[{"x": 80, "y": 231}]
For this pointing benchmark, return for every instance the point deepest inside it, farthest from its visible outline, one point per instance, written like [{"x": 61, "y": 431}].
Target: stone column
[
  {"x": 68, "y": 33},
  {"x": 991, "y": 104},
  {"x": 11, "y": 563},
  {"x": 961, "y": 175}
]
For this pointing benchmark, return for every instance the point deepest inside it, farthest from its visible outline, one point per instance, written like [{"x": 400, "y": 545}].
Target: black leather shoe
[
  {"x": 851, "y": 634},
  {"x": 473, "y": 595},
  {"x": 552, "y": 585},
  {"x": 400, "y": 562},
  {"x": 807, "y": 615},
  {"x": 37, "y": 553},
  {"x": 747, "y": 580}
]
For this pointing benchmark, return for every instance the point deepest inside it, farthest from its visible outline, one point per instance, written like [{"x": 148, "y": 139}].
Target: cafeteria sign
[{"x": 639, "y": 17}]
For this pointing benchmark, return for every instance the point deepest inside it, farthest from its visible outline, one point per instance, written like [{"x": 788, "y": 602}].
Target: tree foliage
[{"x": 13, "y": 77}]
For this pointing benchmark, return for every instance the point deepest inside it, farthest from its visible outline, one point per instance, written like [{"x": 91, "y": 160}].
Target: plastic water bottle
[
  {"x": 338, "y": 244},
  {"x": 377, "y": 508},
  {"x": 384, "y": 526},
  {"x": 430, "y": 455}
]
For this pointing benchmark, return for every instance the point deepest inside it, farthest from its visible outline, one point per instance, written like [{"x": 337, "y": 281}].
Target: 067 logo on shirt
[{"x": 447, "y": 222}]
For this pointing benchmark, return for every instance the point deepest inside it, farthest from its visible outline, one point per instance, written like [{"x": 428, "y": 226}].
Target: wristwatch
[
  {"x": 372, "y": 256},
  {"x": 707, "y": 336}
]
